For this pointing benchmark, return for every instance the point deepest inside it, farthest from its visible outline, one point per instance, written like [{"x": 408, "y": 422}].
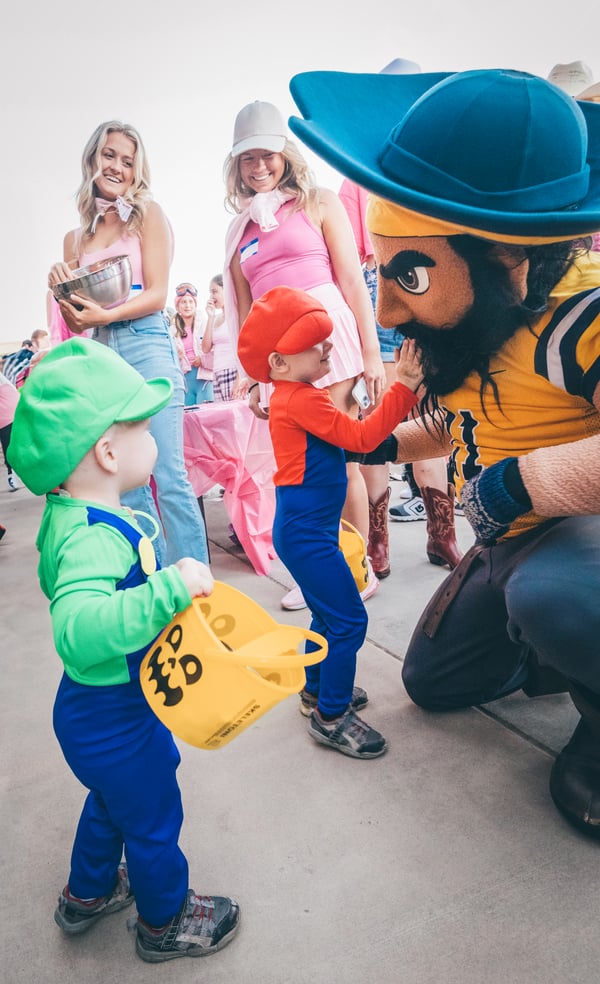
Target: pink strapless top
[
  {"x": 293, "y": 255},
  {"x": 126, "y": 245}
]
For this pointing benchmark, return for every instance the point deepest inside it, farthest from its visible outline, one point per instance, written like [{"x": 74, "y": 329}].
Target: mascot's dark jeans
[{"x": 538, "y": 592}]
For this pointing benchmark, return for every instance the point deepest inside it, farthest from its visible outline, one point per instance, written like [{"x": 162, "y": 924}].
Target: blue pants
[
  {"x": 127, "y": 759},
  {"x": 197, "y": 390},
  {"x": 536, "y": 593},
  {"x": 147, "y": 346},
  {"x": 306, "y": 538},
  {"x": 389, "y": 338}
]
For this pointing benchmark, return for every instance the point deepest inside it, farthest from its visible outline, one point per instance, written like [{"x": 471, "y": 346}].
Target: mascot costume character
[{"x": 484, "y": 188}]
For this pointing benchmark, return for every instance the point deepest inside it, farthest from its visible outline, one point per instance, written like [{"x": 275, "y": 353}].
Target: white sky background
[{"x": 180, "y": 74}]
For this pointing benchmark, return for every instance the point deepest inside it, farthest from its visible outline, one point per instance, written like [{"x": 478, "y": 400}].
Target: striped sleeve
[{"x": 568, "y": 351}]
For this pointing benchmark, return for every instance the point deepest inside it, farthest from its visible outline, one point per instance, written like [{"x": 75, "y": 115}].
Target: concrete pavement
[{"x": 443, "y": 861}]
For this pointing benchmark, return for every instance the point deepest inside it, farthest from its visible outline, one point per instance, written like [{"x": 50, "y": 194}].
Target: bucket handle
[{"x": 262, "y": 650}]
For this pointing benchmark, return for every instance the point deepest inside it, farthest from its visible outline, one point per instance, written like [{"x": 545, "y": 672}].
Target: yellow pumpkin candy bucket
[
  {"x": 354, "y": 549},
  {"x": 221, "y": 664}
]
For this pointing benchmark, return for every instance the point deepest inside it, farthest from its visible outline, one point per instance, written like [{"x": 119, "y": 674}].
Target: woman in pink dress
[{"x": 290, "y": 232}]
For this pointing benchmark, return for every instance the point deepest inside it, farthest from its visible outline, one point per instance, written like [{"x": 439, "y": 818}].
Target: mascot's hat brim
[{"x": 493, "y": 149}]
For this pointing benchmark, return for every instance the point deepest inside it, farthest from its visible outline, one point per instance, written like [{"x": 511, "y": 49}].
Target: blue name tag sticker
[{"x": 250, "y": 249}]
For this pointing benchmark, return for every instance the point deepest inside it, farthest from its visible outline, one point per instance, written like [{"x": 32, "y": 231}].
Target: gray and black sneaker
[
  {"x": 203, "y": 925},
  {"x": 74, "y": 916},
  {"x": 310, "y": 702},
  {"x": 348, "y": 734},
  {"x": 410, "y": 511}
]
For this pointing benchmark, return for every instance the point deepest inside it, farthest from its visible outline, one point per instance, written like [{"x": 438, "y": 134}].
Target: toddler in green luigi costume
[{"x": 81, "y": 437}]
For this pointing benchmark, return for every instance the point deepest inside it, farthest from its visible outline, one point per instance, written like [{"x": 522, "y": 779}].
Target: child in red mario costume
[{"x": 285, "y": 341}]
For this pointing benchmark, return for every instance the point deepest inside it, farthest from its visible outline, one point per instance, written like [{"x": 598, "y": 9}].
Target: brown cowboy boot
[
  {"x": 378, "y": 548},
  {"x": 442, "y": 547}
]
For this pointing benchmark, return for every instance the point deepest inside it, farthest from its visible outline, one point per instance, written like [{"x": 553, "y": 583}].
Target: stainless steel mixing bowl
[{"x": 107, "y": 282}]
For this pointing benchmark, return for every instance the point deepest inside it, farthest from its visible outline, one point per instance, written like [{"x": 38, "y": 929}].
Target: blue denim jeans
[
  {"x": 389, "y": 338},
  {"x": 197, "y": 390},
  {"x": 147, "y": 346}
]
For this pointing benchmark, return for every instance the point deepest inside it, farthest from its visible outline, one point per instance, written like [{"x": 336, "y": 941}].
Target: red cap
[{"x": 285, "y": 320}]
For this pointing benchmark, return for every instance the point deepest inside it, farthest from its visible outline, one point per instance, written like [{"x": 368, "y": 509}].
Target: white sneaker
[
  {"x": 293, "y": 601},
  {"x": 12, "y": 485},
  {"x": 372, "y": 583}
]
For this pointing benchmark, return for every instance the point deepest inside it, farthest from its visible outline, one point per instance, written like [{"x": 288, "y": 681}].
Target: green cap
[{"x": 69, "y": 400}]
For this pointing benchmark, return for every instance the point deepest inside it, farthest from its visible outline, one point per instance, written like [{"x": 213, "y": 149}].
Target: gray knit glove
[{"x": 493, "y": 499}]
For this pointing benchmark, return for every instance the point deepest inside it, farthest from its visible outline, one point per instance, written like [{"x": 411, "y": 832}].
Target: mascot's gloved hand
[{"x": 493, "y": 499}]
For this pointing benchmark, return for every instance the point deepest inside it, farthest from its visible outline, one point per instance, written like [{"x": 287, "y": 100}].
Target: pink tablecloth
[{"x": 225, "y": 444}]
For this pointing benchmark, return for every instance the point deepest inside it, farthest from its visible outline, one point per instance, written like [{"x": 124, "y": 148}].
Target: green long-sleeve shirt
[{"x": 95, "y": 625}]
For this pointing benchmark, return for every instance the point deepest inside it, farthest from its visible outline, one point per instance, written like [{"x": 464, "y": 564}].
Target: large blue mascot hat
[{"x": 497, "y": 150}]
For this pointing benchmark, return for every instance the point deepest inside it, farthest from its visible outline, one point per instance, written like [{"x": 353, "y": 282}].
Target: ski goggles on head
[{"x": 184, "y": 289}]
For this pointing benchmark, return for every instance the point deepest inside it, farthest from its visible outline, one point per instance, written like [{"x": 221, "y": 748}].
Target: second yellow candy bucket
[
  {"x": 354, "y": 549},
  {"x": 221, "y": 664}
]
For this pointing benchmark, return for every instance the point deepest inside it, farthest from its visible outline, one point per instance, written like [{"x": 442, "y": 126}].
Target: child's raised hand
[
  {"x": 196, "y": 576},
  {"x": 408, "y": 366}
]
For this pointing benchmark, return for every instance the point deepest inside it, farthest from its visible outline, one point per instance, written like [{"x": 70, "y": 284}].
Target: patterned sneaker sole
[
  {"x": 82, "y": 925},
  {"x": 160, "y": 956}
]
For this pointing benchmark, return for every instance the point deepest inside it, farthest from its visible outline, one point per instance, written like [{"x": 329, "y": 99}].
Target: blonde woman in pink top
[
  {"x": 119, "y": 216},
  {"x": 290, "y": 232}
]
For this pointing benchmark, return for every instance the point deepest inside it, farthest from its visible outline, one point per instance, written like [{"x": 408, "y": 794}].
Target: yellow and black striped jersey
[{"x": 546, "y": 378}]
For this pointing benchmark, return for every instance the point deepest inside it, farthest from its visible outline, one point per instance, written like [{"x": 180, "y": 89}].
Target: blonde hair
[
  {"x": 138, "y": 195},
  {"x": 297, "y": 179}
]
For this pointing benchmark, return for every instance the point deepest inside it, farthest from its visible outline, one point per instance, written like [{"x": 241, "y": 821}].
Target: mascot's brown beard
[{"x": 450, "y": 355}]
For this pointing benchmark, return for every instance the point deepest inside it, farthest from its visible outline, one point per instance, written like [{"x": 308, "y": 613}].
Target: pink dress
[
  {"x": 9, "y": 397},
  {"x": 295, "y": 255}
]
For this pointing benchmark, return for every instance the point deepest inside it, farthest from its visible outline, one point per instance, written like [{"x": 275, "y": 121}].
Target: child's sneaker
[
  {"x": 204, "y": 925},
  {"x": 348, "y": 734},
  {"x": 12, "y": 485},
  {"x": 310, "y": 702},
  {"x": 75, "y": 916}
]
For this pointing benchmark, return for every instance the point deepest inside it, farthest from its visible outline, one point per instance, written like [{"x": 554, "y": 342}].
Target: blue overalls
[{"x": 120, "y": 751}]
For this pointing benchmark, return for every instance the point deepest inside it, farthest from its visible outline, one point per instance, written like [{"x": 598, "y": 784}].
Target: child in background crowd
[
  {"x": 188, "y": 328},
  {"x": 217, "y": 341},
  {"x": 81, "y": 437}
]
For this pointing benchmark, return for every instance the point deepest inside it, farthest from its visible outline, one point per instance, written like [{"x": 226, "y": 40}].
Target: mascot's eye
[
  {"x": 409, "y": 270},
  {"x": 415, "y": 281}
]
